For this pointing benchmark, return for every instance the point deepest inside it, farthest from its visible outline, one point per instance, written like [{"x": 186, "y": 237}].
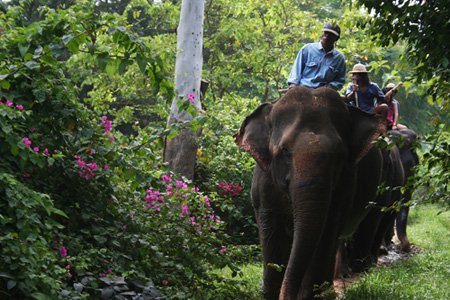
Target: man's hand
[{"x": 292, "y": 85}]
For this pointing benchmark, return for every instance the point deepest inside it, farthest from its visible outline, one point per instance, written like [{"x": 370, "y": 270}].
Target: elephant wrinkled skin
[{"x": 309, "y": 147}]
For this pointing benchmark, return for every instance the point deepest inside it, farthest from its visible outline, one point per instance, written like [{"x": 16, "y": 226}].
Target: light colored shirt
[
  {"x": 368, "y": 98},
  {"x": 314, "y": 68}
]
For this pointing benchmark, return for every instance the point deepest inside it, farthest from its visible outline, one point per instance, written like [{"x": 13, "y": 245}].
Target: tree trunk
[{"x": 181, "y": 151}]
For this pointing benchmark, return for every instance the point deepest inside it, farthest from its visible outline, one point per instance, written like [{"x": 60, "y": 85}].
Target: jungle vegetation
[{"x": 88, "y": 208}]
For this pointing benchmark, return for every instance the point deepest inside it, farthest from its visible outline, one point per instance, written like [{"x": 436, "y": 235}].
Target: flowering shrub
[
  {"x": 229, "y": 189},
  {"x": 81, "y": 213}
]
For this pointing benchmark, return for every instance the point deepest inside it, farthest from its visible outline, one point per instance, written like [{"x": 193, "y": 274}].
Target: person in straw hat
[
  {"x": 320, "y": 64},
  {"x": 365, "y": 93}
]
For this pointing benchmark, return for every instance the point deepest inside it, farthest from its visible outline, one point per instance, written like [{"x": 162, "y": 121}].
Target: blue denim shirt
[
  {"x": 366, "y": 100},
  {"x": 314, "y": 68}
]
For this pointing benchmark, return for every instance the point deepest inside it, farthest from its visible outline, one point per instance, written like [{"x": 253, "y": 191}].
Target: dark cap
[{"x": 333, "y": 28}]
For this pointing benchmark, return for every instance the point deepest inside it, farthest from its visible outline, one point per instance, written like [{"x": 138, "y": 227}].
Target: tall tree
[{"x": 181, "y": 150}]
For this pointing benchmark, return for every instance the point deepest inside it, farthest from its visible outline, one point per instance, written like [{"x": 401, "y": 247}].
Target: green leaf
[
  {"x": 74, "y": 44},
  {"x": 39, "y": 94},
  {"x": 23, "y": 48},
  {"x": 14, "y": 151},
  {"x": 5, "y": 84},
  {"x": 142, "y": 62},
  {"x": 102, "y": 60},
  {"x": 40, "y": 296},
  {"x": 11, "y": 284},
  {"x": 7, "y": 129},
  {"x": 31, "y": 64},
  {"x": 111, "y": 67},
  {"x": 49, "y": 59},
  {"x": 123, "y": 65}
]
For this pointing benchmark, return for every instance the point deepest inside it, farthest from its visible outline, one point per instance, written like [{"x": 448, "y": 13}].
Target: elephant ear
[
  {"x": 254, "y": 135},
  {"x": 366, "y": 128}
]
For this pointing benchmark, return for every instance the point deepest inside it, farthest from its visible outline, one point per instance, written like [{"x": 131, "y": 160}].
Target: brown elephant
[{"x": 310, "y": 150}]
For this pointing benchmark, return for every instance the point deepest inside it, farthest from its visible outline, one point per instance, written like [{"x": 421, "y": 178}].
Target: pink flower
[
  {"x": 9, "y": 103},
  {"x": 124, "y": 226},
  {"x": 63, "y": 251},
  {"x": 106, "y": 167},
  {"x": 27, "y": 141},
  {"x": 20, "y": 107},
  {"x": 222, "y": 250},
  {"x": 110, "y": 271},
  {"x": 36, "y": 149},
  {"x": 32, "y": 129},
  {"x": 46, "y": 151},
  {"x": 166, "y": 178},
  {"x": 103, "y": 275},
  {"x": 92, "y": 166},
  {"x": 68, "y": 274},
  {"x": 131, "y": 215},
  {"x": 165, "y": 282},
  {"x": 207, "y": 201},
  {"x": 184, "y": 210}
]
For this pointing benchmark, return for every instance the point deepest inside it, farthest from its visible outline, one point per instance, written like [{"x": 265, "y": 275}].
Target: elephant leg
[
  {"x": 387, "y": 222},
  {"x": 400, "y": 226},
  {"x": 276, "y": 243},
  {"x": 363, "y": 238},
  {"x": 274, "y": 220}
]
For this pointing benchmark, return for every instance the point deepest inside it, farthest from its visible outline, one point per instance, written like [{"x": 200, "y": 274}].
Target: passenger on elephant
[
  {"x": 393, "y": 113},
  {"x": 364, "y": 93},
  {"x": 320, "y": 64}
]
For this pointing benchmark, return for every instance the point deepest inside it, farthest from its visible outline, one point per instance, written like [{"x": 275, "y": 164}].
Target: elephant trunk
[{"x": 310, "y": 213}]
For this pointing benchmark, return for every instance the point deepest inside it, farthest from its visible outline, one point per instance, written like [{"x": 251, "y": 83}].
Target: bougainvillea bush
[{"x": 85, "y": 211}]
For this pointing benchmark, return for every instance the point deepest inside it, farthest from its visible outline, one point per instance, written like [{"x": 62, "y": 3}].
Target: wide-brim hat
[
  {"x": 333, "y": 28},
  {"x": 359, "y": 68},
  {"x": 390, "y": 86}
]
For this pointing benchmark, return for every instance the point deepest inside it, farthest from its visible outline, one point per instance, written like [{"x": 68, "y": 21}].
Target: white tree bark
[
  {"x": 181, "y": 151},
  {"x": 189, "y": 61}
]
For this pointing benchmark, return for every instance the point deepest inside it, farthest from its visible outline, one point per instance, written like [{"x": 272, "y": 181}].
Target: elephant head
[{"x": 305, "y": 144}]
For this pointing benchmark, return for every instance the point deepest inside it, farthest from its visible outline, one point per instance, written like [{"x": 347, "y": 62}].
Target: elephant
[
  {"x": 406, "y": 139},
  {"x": 373, "y": 229},
  {"x": 316, "y": 171}
]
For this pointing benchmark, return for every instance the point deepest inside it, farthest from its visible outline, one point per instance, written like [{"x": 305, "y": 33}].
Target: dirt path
[{"x": 394, "y": 255}]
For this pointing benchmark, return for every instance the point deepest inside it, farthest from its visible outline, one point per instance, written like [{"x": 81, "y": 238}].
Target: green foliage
[
  {"x": 423, "y": 26},
  {"x": 77, "y": 197},
  {"x": 433, "y": 174},
  {"x": 222, "y": 168}
]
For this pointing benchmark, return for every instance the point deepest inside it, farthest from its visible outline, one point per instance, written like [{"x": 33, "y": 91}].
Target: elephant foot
[
  {"x": 361, "y": 265},
  {"x": 406, "y": 247}
]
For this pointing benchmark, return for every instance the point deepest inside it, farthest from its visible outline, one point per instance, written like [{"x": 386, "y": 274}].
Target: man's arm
[{"x": 296, "y": 71}]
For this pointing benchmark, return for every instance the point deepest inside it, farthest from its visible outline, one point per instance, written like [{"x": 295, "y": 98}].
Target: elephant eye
[{"x": 285, "y": 152}]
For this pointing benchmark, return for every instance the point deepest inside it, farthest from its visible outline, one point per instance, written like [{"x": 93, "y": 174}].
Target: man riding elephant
[{"x": 320, "y": 64}]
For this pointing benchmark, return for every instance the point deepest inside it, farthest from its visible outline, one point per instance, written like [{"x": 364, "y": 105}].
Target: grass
[{"x": 424, "y": 276}]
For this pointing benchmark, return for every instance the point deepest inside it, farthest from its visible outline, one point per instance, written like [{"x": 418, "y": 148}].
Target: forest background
[{"x": 88, "y": 207}]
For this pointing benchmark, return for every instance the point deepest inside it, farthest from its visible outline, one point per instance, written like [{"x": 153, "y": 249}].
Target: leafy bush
[
  {"x": 85, "y": 211},
  {"x": 224, "y": 169}
]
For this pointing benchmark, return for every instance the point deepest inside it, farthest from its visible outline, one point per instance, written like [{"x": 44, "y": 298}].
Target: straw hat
[
  {"x": 390, "y": 86},
  {"x": 359, "y": 68}
]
